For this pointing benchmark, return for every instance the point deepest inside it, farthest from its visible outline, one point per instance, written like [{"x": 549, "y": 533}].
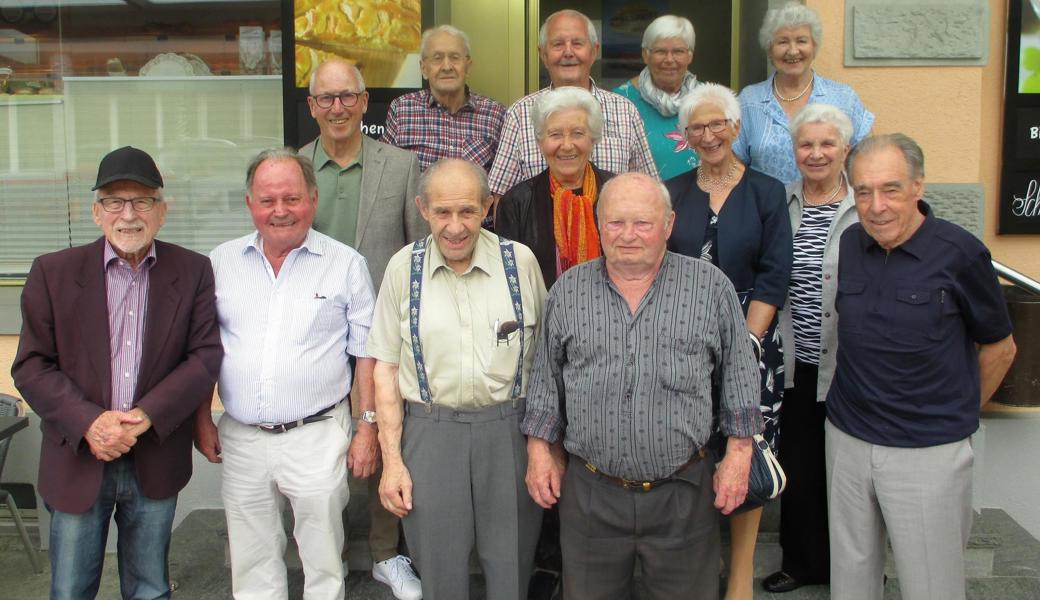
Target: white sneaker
[{"x": 397, "y": 573}]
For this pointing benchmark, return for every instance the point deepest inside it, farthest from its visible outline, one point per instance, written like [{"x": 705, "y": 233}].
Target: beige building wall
[{"x": 955, "y": 113}]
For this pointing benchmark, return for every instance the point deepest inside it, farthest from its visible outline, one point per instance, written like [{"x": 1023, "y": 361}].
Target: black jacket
[{"x": 525, "y": 215}]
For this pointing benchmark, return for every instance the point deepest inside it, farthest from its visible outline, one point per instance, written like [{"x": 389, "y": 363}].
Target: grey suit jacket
[{"x": 388, "y": 218}]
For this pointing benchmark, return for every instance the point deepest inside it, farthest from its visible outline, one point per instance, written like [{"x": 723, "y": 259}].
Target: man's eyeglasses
[
  {"x": 438, "y": 58},
  {"x": 347, "y": 99},
  {"x": 713, "y": 126},
  {"x": 115, "y": 204}
]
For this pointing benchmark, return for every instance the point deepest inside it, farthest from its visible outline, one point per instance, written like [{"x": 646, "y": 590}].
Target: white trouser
[
  {"x": 920, "y": 496},
  {"x": 307, "y": 466}
]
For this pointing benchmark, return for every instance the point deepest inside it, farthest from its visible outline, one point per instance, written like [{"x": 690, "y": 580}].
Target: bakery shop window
[{"x": 197, "y": 85}]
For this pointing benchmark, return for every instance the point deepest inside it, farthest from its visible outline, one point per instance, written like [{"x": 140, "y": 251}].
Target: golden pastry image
[{"x": 376, "y": 35}]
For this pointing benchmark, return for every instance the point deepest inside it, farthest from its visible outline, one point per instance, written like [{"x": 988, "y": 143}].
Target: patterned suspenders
[{"x": 415, "y": 293}]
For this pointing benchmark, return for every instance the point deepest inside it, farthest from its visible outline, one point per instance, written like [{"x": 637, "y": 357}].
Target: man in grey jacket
[{"x": 366, "y": 199}]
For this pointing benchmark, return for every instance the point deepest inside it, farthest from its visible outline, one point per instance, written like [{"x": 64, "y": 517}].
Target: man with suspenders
[{"x": 453, "y": 335}]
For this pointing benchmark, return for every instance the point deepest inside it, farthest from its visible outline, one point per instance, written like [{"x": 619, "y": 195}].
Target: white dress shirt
[{"x": 286, "y": 337}]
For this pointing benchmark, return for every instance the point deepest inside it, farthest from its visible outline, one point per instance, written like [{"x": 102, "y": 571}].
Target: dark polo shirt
[{"x": 908, "y": 322}]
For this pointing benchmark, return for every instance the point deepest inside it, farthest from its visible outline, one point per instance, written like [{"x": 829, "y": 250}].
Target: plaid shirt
[
  {"x": 417, "y": 122},
  {"x": 623, "y": 147}
]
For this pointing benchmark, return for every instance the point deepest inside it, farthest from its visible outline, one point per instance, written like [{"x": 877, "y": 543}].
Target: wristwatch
[{"x": 369, "y": 416}]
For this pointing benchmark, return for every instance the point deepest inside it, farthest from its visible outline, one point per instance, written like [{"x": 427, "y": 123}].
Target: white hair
[
  {"x": 443, "y": 29},
  {"x": 790, "y": 15},
  {"x": 826, "y": 114},
  {"x": 563, "y": 98},
  {"x": 669, "y": 26},
  {"x": 543, "y": 32},
  {"x": 709, "y": 93},
  {"x": 351, "y": 66}
]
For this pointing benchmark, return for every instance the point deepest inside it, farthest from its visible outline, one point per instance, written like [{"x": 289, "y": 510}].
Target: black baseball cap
[{"x": 128, "y": 163}]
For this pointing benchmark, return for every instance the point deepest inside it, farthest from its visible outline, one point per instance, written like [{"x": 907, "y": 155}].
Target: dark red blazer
[{"x": 62, "y": 367}]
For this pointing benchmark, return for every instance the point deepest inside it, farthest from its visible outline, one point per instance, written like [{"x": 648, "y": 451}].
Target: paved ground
[{"x": 1003, "y": 564}]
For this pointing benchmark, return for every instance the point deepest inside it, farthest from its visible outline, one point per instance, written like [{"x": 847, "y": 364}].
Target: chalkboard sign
[{"x": 1020, "y": 174}]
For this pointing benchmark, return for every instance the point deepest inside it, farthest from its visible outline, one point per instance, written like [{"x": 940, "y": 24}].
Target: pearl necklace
[
  {"x": 712, "y": 184},
  {"x": 776, "y": 90},
  {"x": 829, "y": 200}
]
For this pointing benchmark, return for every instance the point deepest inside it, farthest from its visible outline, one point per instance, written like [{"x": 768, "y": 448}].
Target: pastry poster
[{"x": 380, "y": 36}]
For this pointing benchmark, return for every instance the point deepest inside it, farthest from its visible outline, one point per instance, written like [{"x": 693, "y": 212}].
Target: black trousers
[{"x": 803, "y": 505}]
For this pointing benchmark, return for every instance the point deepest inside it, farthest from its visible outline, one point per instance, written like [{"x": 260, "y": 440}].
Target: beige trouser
[{"x": 920, "y": 496}]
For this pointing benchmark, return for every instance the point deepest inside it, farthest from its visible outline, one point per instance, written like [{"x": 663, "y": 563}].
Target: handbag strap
[{"x": 505, "y": 248}]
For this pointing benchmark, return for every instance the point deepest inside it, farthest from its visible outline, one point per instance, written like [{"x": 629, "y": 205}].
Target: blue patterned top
[
  {"x": 668, "y": 146},
  {"x": 765, "y": 140}
]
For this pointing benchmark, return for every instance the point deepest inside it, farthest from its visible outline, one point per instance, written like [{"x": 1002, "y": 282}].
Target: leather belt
[
  {"x": 283, "y": 427},
  {"x": 646, "y": 486}
]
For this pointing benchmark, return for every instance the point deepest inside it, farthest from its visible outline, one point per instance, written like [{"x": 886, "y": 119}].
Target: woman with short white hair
[
  {"x": 667, "y": 52},
  {"x": 734, "y": 217},
  {"x": 791, "y": 37},
  {"x": 553, "y": 213},
  {"x": 821, "y": 207}
]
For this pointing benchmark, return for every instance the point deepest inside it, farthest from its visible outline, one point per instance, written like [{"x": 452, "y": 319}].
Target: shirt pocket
[
  {"x": 921, "y": 310},
  {"x": 478, "y": 149},
  {"x": 676, "y": 363},
  {"x": 851, "y": 304}
]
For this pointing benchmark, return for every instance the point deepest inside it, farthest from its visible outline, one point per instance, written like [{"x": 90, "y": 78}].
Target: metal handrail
[{"x": 1019, "y": 280}]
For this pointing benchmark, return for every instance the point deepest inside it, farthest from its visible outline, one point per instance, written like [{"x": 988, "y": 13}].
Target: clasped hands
[{"x": 114, "y": 432}]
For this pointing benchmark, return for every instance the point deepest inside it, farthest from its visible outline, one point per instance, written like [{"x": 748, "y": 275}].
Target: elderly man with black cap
[{"x": 119, "y": 346}]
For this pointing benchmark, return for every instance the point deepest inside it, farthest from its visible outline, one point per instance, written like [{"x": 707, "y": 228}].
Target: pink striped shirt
[{"x": 127, "y": 291}]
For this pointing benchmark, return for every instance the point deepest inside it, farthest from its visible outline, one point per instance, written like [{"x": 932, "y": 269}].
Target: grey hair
[
  {"x": 911, "y": 151},
  {"x": 543, "y": 32},
  {"x": 353, "y": 68},
  {"x": 443, "y": 29},
  {"x": 670, "y": 26},
  {"x": 826, "y": 114},
  {"x": 474, "y": 169},
  {"x": 792, "y": 14},
  {"x": 710, "y": 93},
  {"x": 285, "y": 153},
  {"x": 662, "y": 192},
  {"x": 562, "y": 98}
]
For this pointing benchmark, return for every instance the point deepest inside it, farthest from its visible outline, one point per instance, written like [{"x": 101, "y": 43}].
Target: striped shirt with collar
[
  {"x": 418, "y": 122},
  {"x": 286, "y": 337},
  {"x": 127, "y": 295},
  {"x": 637, "y": 387},
  {"x": 622, "y": 148}
]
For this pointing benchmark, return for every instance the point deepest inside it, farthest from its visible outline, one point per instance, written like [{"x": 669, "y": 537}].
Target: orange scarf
[{"x": 574, "y": 221}]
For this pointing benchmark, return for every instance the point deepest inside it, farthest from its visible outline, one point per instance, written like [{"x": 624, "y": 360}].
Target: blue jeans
[{"x": 78, "y": 540}]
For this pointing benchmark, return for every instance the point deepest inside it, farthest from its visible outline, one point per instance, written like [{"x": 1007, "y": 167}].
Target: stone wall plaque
[{"x": 916, "y": 33}]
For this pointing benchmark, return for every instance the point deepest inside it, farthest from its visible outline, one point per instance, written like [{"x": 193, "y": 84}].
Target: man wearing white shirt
[{"x": 293, "y": 306}]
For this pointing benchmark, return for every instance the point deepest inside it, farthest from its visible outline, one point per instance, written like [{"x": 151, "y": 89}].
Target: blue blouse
[
  {"x": 667, "y": 144},
  {"x": 765, "y": 140}
]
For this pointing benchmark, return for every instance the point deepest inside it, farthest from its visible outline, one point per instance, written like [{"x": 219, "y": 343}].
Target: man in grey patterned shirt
[{"x": 623, "y": 373}]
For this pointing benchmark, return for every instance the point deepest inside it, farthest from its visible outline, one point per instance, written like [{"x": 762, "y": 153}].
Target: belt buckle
[
  {"x": 628, "y": 484},
  {"x": 280, "y": 428}
]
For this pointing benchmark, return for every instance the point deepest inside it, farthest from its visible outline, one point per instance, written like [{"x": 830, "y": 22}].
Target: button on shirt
[
  {"x": 637, "y": 387},
  {"x": 339, "y": 190},
  {"x": 127, "y": 294},
  {"x": 468, "y": 368},
  {"x": 417, "y": 122},
  {"x": 623, "y": 147},
  {"x": 286, "y": 337},
  {"x": 908, "y": 321}
]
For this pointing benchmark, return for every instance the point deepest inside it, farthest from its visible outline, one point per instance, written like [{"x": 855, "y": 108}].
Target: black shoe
[{"x": 781, "y": 582}]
